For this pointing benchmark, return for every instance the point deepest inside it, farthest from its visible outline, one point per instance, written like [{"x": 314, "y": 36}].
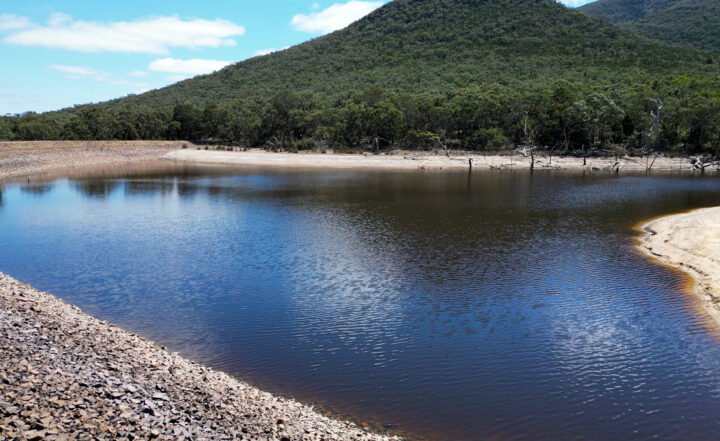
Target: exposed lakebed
[{"x": 497, "y": 305}]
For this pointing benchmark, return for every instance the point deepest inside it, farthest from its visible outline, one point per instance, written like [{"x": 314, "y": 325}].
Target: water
[{"x": 492, "y": 306}]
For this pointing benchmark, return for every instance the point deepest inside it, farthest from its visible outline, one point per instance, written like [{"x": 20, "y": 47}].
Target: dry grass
[{"x": 26, "y": 158}]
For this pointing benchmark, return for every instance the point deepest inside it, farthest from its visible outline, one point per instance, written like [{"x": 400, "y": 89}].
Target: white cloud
[
  {"x": 137, "y": 73},
  {"x": 176, "y": 78},
  {"x": 262, "y": 52},
  {"x": 12, "y": 22},
  {"x": 140, "y": 91},
  {"x": 87, "y": 73},
  {"x": 58, "y": 18},
  {"x": 335, "y": 17},
  {"x": 575, "y": 3},
  {"x": 195, "y": 66},
  {"x": 76, "y": 70},
  {"x": 151, "y": 36}
]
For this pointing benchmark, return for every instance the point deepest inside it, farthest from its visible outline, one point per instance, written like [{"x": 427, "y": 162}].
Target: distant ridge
[
  {"x": 691, "y": 23},
  {"x": 623, "y": 11}
]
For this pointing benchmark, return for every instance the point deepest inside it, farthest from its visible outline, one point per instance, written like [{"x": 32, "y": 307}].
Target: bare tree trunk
[
  {"x": 653, "y": 161},
  {"x": 532, "y": 159},
  {"x": 655, "y": 128},
  {"x": 443, "y": 143},
  {"x": 616, "y": 166}
]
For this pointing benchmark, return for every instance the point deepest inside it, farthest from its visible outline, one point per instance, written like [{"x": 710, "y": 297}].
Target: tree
[
  {"x": 213, "y": 120},
  {"x": 243, "y": 123},
  {"x": 6, "y": 132},
  {"x": 33, "y": 127},
  {"x": 189, "y": 122}
]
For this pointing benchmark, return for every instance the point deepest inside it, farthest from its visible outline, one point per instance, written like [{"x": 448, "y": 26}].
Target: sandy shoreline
[
  {"x": 66, "y": 375},
  {"x": 418, "y": 161},
  {"x": 690, "y": 242},
  {"x": 31, "y": 158}
]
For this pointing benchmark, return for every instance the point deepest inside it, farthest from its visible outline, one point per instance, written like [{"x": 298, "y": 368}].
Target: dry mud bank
[
  {"x": 691, "y": 242},
  {"x": 418, "y": 160},
  {"x": 65, "y": 375},
  {"x": 27, "y": 158}
]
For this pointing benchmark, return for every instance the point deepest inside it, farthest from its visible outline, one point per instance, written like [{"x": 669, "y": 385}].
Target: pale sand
[
  {"x": 415, "y": 161},
  {"x": 690, "y": 242},
  {"x": 32, "y": 158}
]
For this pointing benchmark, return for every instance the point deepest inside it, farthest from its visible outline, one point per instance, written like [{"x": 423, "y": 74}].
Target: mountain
[
  {"x": 437, "y": 46},
  {"x": 690, "y": 23},
  {"x": 623, "y": 11},
  {"x": 429, "y": 74}
]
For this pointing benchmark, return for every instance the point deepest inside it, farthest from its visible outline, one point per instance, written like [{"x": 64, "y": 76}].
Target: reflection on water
[
  {"x": 454, "y": 306},
  {"x": 96, "y": 189},
  {"x": 36, "y": 188}
]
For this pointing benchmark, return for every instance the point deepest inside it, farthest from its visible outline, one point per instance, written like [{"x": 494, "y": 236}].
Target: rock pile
[{"x": 65, "y": 375}]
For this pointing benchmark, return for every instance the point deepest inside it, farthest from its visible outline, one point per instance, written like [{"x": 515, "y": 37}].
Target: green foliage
[
  {"x": 623, "y": 11},
  {"x": 6, "y": 129},
  {"x": 33, "y": 127},
  {"x": 436, "y": 47},
  {"x": 691, "y": 23}
]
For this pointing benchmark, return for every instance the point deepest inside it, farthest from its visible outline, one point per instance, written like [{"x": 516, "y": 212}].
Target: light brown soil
[
  {"x": 690, "y": 242},
  {"x": 404, "y": 160},
  {"x": 31, "y": 158}
]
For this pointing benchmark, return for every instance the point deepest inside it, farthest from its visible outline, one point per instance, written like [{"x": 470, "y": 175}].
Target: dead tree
[
  {"x": 279, "y": 143},
  {"x": 442, "y": 140},
  {"x": 653, "y": 135},
  {"x": 654, "y": 132},
  {"x": 616, "y": 167},
  {"x": 529, "y": 140},
  {"x": 648, "y": 167},
  {"x": 700, "y": 164}
]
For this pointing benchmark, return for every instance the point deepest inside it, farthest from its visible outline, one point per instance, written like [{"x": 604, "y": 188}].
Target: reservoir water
[{"x": 452, "y": 306}]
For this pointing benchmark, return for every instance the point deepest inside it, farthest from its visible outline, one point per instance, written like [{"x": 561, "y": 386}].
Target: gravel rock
[{"x": 66, "y": 376}]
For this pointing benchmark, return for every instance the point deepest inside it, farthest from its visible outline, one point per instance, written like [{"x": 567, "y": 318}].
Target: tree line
[{"x": 677, "y": 116}]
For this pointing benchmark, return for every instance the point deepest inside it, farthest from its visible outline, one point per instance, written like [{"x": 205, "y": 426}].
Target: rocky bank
[{"x": 66, "y": 375}]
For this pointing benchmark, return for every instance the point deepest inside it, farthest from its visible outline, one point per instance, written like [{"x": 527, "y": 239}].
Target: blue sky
[{"x": 61, "y": 53}]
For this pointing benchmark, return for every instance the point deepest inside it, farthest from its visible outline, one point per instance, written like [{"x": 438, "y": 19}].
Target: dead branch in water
[{"x": 701, "y": 164}]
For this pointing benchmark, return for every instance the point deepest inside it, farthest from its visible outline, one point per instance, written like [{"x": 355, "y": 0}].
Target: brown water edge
[
  {"x": 690, "y": 279},
  {"x": 94, "y": 171},
  {"x": 163, "y": 165}
]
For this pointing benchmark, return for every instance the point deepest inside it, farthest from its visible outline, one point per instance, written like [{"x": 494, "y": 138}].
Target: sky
[{"x": 58, "y": 54}]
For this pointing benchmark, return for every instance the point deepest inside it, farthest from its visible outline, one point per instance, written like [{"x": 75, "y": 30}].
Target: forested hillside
[
  {"x": 473, "y": 74},
  {"x": 690, "y": 23},
  {"x": 623, "y": 11},
  {"x": 437, "y": 45}
]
